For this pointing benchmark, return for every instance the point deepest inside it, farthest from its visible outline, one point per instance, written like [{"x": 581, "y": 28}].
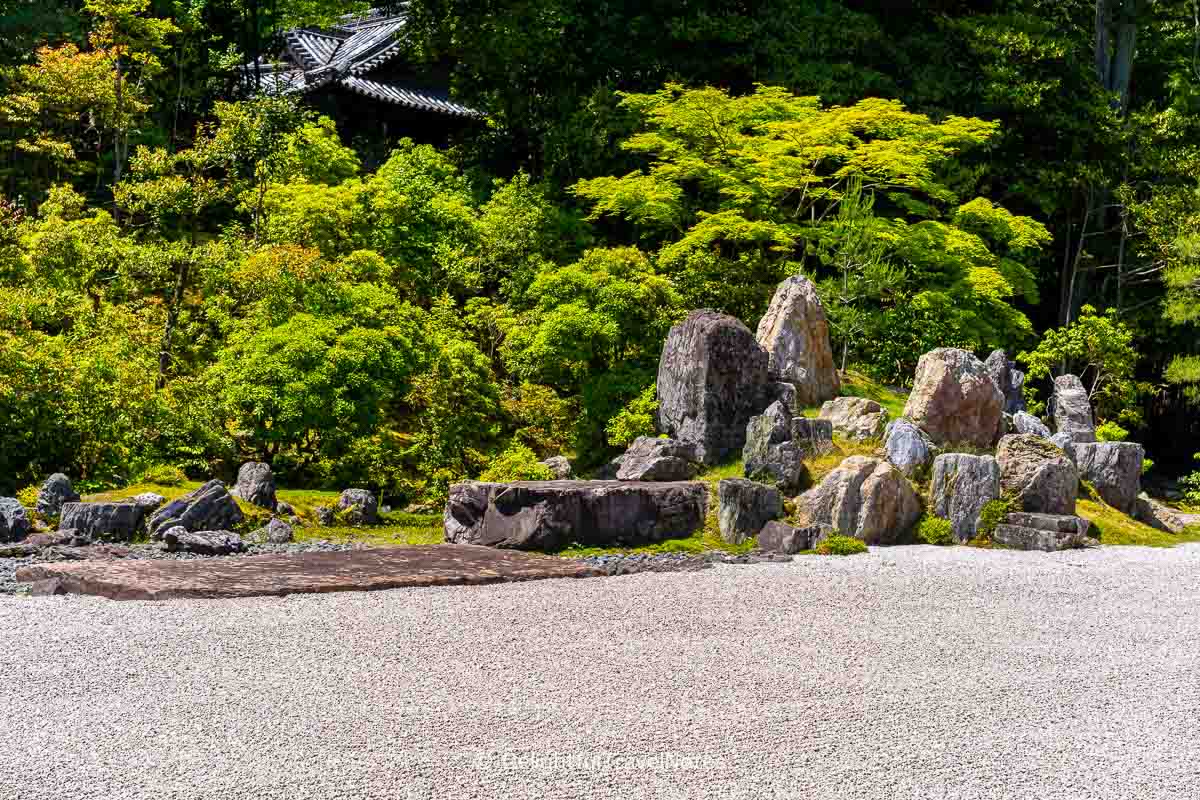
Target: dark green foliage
[{"x": 991, "y": 515}]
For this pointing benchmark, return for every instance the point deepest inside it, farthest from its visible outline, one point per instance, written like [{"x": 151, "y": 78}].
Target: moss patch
[{"x": 1112, "y": 527}]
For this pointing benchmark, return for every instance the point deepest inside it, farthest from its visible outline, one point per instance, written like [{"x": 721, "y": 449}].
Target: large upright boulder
[
  {"x": 1114, "y": 468},
  {"x": 745, "y": 507},
  {"x": 652, "y": 458},
  {"x": 256, "y": 485},
  {"x": 863, "y": 497},
  {"x": 712, "y": 379},
  {"x": 795, "y": 334},
  {"x": 770, "y": 455},
  {"x": 856, "y": 418},
  {"x": 54, "y": 492},
  {"x": 907, "y": 447},
  {"x": 209, "y": 508},
  {"x": 1073, "y": 410},
  {"x": 1009, "y": 380},
  {"x": 14, "y": 522},
  {"x": 955, "y": 400},
  {"x": 962, "y": 485},
  {"x": 1038, "y": 474},
  {"x": 548, "y": 515}
]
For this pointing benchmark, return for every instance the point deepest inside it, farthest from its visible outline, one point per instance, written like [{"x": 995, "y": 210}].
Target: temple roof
[{"x": 346, "y": 55}]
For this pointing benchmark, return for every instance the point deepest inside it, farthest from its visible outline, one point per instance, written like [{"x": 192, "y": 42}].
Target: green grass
[
  {"x": 1112, "y": 527},
  {"x": 856, "y": 384},
  {"x": 396, "y": 528}
]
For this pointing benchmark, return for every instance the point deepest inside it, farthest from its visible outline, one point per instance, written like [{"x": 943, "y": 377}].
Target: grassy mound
[{"x": 1112, "y": 527}]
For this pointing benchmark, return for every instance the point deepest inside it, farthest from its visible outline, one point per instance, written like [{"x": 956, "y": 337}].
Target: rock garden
[{"x": 760, "y": 456}]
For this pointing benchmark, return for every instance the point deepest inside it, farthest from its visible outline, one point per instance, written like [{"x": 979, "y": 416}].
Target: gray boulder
[
  {"x": 1157, "y": 515},
  {"x": 962, "y": 485},
  {"x": 795, "y": 334},
  {"x": 549, "y": 515},
  {"x": 770, "y": 455},
  {"x": 855, "y": 418},
  {"x": 1024, "y": 422},
  {"x": 864, "y": 497},
  {"x": 785, "y": 393},
  {"x": 359, "y": 507},
  {"x": 712, "y": 378},
  {"x": 954, "y": 399},
  {"x": 744, "y": 507},
  {"x": 208, "y": 543},
  {"x": 108, "y": 522},
  {"x": 274, "y": 532},
  {"x": 14, "y": 522},
  {"x": 559, "y": 467},
  {"x": 652, "y": 458},
  {"x": 1038, "y": 474},
  {"x": 1047, "y": 532},
  {"x": 256, "y": 485},
  {"x": 1114, "y": 468},
  {"x": 1073, "y": 410},
  {"x": 779, "y": 537},
  {"x": 326, "y": 515},
  {"x": 813, "y": 437},
  {"x": 53, "y": 493},
  {"x": 1064, "y": 442},
  {"x": 1009, "y": 380},
  {"x": 147, "y": 501},
  {"x": 907, "y": 447},
  {"x": 208, "y": 508}
]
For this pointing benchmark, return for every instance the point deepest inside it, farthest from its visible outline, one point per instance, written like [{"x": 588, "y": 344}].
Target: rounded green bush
[
  {"x": 935, "y": 530},
  {"x": 838, "y": 545},
  {"x": 163, "y": 475}
]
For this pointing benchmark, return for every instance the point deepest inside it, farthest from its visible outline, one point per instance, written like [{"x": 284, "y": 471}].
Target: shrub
[
  {"x": 1191, "y": 485},
  {"x": 1111, "y": 432},
  {"x": 935, "y": 530},
  {"x": 28, "y": 496},
  {"x": 991, "y": 515},
  {"x": 517, "y": 463},
  {"x": 838, "y": 545},
  {"x": 163, "y": 475},
  {"x": 636, "y": 419}
]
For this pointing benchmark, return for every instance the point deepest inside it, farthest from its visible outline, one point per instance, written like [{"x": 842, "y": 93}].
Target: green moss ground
[{"x": 1112, "y": 527}]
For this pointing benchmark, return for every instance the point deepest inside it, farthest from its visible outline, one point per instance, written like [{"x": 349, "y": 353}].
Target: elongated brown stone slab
[{"x": 296, "y": 573}]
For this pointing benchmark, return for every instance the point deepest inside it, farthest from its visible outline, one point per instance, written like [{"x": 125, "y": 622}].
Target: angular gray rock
[
  {"x": 1009, "y": 380},
  {"x": 14, "y": 522},
  {"x": 1073, "y": 410},
  {"x": 559, "y": 467},
  {"x": 326, "y": 515},
  {"x": 208, "y": 543},
  {"x": 1024, "y": 422},
  {"x": 907, "y": 447},
  {"x": 785, "y": 393},
  {"x": 274, "y": 532},
  {"x": 652, "y": 458},
  {"x": 1114, "y": 468},
  {"x": 1038, "y": 474},
  {"x": 813, "y": 437},
  {"x": 962, "y": 485},
  {"x": 147, "y": 501},
  {"x": 954, "y": 399},
  {"x": 712, "y": 378},
  {"x": 359, "y": 507},
  {"x": 795, "y": 334},
  {"x": 106, "y": 522},
  {"x": 1064, "y": 442},
  {"x": 770, "y": 455},
  {"x": 208, "y": 508},
  {"x": 744, "y": 507},
  {"x": 256, "y": 485},
  {"x": 1048, "y": 532},
  {"x": 549, "y": 515},
  {"x": 53, "y": 493},
  {"x": 856, "y": 418},
  {"x": 284, "y": 509},
  {"x": 1157, "y": 515},
  {"x": 779, "y": 537},
  {"x": 863, "y": 497}
]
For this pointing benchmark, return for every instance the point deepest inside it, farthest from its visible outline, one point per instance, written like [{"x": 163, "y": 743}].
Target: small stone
[
  {"x": 559, "y": 467},
  {"x": 652, "y": 458},
  {"x": 359, "y": 507},
  {"x": 779, "y": 537},
  {"x": 1024, "y": 422},
  {"x": 213, "y": 543}
]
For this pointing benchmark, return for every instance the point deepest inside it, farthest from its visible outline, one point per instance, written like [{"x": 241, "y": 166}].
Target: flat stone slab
[{"x": 297, "y": 573}]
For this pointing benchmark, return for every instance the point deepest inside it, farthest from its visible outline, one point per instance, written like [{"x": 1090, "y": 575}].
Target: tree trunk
[
  {"x": 118, "y": 88},
  {"x": 173, "y": 308}
]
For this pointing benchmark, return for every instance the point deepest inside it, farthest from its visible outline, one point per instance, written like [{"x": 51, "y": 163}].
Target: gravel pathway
[{"x": 912, "y": 672}]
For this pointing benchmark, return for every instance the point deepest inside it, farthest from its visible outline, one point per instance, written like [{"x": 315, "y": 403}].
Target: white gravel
[{"x": 913, "y": 672}]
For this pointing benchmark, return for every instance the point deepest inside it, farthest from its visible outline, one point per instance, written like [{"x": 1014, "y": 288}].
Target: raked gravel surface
[{"x": 911, "y": 672}]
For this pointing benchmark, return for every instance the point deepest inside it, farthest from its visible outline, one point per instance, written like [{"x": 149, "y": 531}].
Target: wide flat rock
[{"x": 299, "y": 573}]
